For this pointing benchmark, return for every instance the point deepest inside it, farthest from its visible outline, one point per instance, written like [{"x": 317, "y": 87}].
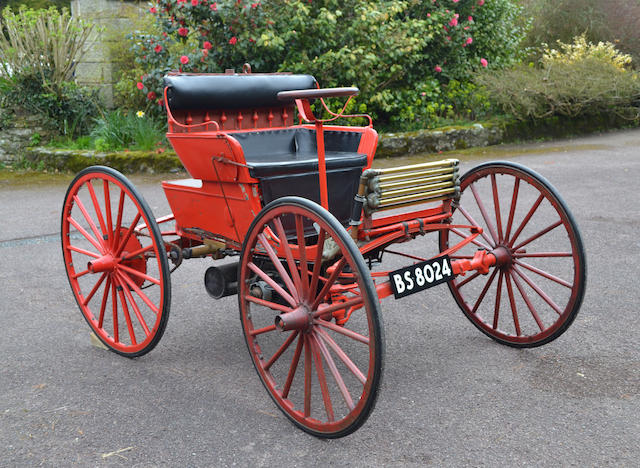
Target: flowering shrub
[
  {"x": 558, "y": 86},
  {"x": 392, "y": 50},
  {"x": 581, "y": 50}
]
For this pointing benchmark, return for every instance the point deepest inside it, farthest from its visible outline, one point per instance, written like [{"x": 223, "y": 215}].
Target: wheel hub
[
  {"x": 503, "y": 255},
  {"x": 299, "y": 318}
]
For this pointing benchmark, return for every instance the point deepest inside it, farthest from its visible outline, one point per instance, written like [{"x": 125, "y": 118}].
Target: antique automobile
[{"x": 300, "y": 227}]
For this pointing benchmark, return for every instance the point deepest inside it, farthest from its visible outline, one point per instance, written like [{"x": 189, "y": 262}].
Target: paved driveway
[{"x": 450, "y": 397}]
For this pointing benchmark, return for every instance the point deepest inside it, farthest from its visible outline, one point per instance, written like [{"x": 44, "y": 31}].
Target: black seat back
[{"x": 231, "y": 91}]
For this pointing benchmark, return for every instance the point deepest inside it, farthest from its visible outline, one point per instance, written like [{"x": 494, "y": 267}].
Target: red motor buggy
[{"x": 300, "y": 226}]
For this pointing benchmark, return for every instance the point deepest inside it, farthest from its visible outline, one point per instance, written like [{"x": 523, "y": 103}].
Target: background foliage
[{"x": 401, "y": 54}]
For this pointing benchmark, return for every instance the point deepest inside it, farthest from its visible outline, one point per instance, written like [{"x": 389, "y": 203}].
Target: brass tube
[
  {"x": 417, "y": 167},
  {"x": 415, "y": 202},
  {"x": 417, "y": 196},
  {"x": 427, "y": 173},
  {"x": 420, "y": 189},
  {"x": 415, "y": 182}
]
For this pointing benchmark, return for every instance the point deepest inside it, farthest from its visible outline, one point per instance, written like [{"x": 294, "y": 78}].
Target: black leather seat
[
  {"x": 286, "y": 163},
  {"x": 294, "y": 151}
]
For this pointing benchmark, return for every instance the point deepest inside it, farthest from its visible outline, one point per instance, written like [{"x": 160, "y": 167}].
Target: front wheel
[
  {"x": 534, "y": 293},
  {"x": 116, "y": 261},
  {"x": 310, "y": 316}
]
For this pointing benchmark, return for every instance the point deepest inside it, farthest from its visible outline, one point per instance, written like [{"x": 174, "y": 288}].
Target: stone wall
[{"x": 113, "y": 21}]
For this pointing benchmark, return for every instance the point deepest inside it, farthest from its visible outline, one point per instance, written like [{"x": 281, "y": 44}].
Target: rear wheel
[
  {"x": 116, "y": 261},
  {"x": 310, "y": 315},
  {"x": 535, "y": 291}
]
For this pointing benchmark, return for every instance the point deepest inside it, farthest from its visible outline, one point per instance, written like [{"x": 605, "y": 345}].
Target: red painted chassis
[{"x": 309, "y": 284}]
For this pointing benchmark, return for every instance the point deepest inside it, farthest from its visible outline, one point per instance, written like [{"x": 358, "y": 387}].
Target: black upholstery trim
[{"x": 238, "y": 91}]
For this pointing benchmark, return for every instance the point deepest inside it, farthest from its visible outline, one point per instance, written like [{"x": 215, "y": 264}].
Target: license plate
[{"x": 418, "y": 277}]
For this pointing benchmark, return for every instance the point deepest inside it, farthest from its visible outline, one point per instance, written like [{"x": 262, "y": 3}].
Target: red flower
[
  {"x": 158, "y": 48},
  {"x": 468, "y": 41},
  {"x": 480, "y": 2},
  {"x": 233, "y": 40},
  {"x": 140, "y": 85},
  {"x": 184, "y": 60},
  {"x": 214, "y": 6},
  {"x": 207, "y": 45},
  {"x": 153, "y": 10},
  {"x": 437, "y": 69},
  {"x": 254, "y": 5},
  {"x": 160, "y": 102},
  {"x": 470, "y": 19},
  {"x": 183, "y": 31},
  {"x": 205, "y": 52},
  {"x": 194, "y": 2},
  {"x": 151, "y": 95},
  {"x": 483, "y": 61}
]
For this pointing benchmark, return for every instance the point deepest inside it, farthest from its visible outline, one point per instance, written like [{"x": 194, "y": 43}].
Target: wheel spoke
[
  {"x": 496, "y": 205},
  {"x": 88, "y": 236},
  {"x": 136, "y": 311},
  {"x": 342, "y": 355},
  {"x": 293, "y": 268},
  {"x": 86, "y": 216},
  {"x": 132, "y": 255},
  {"x": 281, "y": 350},
  {"x": 103, "y": 305},
  {"x": 137, "y": 273},
  {"x": 293, "y": 367},
  {"x": 277, "y": 288},
  {"x": 116, "y": 232},
  {"x": 526, "y": 219},
  {"x": 512, "y": 211},
  {"x": 322, "y": 379},
  {"x": 468, "y": 279},
  {"x": 302, "y": 251},
  {"x": 474, "y": 223},
  {"x": 330, "y": 281},
  {"x": 124, "y": 240},
  {"x": 484, "y": 291},
  {"x": 542, "y": 254},
  {"x": 512, "y": 301},
  {"x": 270, "y": 305},
  {"x": 107, "y": 209},
  {"x": 139, "y": 292},
  {"x": 355, "y": 302},
  {"x": 78, "y": 275},
  {"x": 496, "y": 309},
  {"x": 474, "y": 241},
  {"x": 260, "y": 331},
  {"x": 125, "y": 311},
  {"x": 95, "y": 288},
  {"x": 114, "y": 304},
  {"x": 523, "y": 293},
  {"x": 484, "y": 214},
  {"x": 544, "y": 274},
  {"x": 279, "y": 267},
  {"x": 539, "y": 234},
  {"x": 336, "y": 374},
  {"x": 307, "y": 377},
  {"x": 96, "y": 207},
  {"x": 317, "y": 264},
  {"x": 541, "y": 293},
  {"x": 83, "y": 251},
  {"x": 342, "y": 330}
]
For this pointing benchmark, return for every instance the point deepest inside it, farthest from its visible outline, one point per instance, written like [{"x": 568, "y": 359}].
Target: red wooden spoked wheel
[
  {"x": 312, "y": 325},
  {"x": 536, "y": 289},
  {"x": 116, "y": 261}
]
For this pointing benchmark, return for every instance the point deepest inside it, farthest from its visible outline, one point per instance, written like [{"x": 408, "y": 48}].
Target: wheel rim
[
  {"x": 535, "y": 291},
  {"x": 115, "y": 261},
  {"x": 322, "y": 373}
]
